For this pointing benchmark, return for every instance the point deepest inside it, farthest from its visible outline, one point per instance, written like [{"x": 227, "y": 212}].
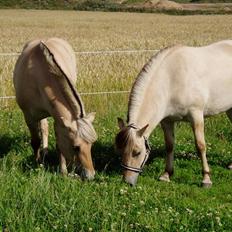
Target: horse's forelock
[
  {"x": 86, "y": 130},
  {"x": 125, "y": 139}
]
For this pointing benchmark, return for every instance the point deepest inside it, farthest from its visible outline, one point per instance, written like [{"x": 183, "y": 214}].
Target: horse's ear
[
  {"x": 91, "y": 116},
  {"x": 121, "y": 123},
  {"x": 141, "y": 131}
]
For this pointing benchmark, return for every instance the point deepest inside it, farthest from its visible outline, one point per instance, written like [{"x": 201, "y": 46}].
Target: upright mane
[
  {"x": 142, "y": 81},
  {"x": 68, "y": 87}
]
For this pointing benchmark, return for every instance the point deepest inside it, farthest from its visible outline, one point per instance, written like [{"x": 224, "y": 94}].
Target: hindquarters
[{"x": 29, "y": 69}]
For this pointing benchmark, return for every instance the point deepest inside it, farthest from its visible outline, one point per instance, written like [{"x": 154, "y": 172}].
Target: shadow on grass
[
  {"x": 105, "y": 158},
  {"x": 50, "y": 160},
  {"x": 5, "y": 145}
]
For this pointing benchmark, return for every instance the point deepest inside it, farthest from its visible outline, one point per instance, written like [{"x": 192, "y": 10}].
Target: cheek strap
[{"x": 139, "y": 170}]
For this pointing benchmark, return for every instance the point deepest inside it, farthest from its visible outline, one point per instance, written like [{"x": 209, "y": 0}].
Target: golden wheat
[{"x": 94, "y": 31}]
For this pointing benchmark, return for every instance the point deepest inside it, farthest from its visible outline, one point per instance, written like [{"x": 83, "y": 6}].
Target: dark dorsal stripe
[{"x": 74, "y": 92}]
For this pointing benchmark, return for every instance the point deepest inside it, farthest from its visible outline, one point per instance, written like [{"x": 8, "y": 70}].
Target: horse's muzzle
[
  {"x": 131, "y": 179},
  {"x": 87, "y": 174}
]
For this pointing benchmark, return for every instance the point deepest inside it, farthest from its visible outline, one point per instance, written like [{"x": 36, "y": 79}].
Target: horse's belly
[{"x": 219, "y": 103}]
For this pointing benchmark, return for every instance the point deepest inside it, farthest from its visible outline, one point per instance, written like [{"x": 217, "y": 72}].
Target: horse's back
[
  {"x": 200, "y": 77},
  {"x": 27, "y": 70}
]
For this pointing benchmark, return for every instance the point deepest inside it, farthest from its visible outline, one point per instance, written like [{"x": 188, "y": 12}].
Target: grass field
[{"x": 37, "y": 199}]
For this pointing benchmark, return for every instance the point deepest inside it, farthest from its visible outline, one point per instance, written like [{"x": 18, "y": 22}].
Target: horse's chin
[
  {"x": 87, "y": 174},
  {"x": 131, "y": 179}
]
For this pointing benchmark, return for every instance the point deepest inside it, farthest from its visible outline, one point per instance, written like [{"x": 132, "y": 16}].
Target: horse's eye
[
  {"x": 76, "y": 148},
  {"x": 136, "y": 153}
]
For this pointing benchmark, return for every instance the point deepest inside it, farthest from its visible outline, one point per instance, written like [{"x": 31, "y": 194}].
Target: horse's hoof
[
  {"x": 164, "y": 178},
  {"x": 73, "y": 175},
  {"x": 206, "y": 184},
  {"x": 41, "y": 165},
  {"x": 230, "y": 167}
]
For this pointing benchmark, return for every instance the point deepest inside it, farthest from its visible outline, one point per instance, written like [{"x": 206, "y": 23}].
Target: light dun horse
[
  {"x": 178, "y": 84},
  {"x": 44, "y": 80}
]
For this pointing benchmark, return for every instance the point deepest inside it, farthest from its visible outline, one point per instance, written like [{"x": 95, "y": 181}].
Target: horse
[
  {"x": 44, "y": 81},
  {"x": 179, "y": 83}
]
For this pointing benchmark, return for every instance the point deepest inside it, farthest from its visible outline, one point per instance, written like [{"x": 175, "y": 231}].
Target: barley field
[{"x": 40, "y": 199}]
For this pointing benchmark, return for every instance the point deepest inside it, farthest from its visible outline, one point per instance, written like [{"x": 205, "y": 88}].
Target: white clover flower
[
  {"x": 218, "y": 219},
  {"x": 142, "y": 202},
  {"x": 189, "y": 211}
]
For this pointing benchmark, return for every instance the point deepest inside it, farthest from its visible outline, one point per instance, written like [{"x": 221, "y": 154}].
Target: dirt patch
[
  {"x": 166, "y": 5},
  {"x": 227, "y": 7},
  {"x": 163, "y": 5}
]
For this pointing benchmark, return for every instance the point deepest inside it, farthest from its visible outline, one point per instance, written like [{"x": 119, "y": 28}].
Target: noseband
[{"x": 148, "y": 149}]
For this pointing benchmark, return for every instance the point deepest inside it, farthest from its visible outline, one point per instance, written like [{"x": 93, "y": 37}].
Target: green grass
[
  {"x": 37, "y": 199},
  {"x": 41, "y": 4}
]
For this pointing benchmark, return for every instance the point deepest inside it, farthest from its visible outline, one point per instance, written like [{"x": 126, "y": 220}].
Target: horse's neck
[
  {"x": 151, "y": 115},
  {"x": 151, "y": 109},
  {"x": 59, "y": 106}
]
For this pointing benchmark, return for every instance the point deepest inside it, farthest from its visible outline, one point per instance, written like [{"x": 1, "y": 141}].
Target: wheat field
[{"x": 98, "y": 31}]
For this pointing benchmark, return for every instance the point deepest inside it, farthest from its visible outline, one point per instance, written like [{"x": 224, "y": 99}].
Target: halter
[{"x": 148, "y": 149}]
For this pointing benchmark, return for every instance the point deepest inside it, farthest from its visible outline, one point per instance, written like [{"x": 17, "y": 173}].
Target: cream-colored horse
[
  {"x": 44, "y": 81},
  {"x": 178, "y": 84}
]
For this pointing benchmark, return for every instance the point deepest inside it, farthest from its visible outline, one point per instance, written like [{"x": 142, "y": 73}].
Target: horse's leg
[
  {"x": 35, "y": 136},
  {"x": 63, "y": 163},
  {"x": 229, "y": 114},
  {"x": 198, "y": 129},
  {"x": 44, "y": 135},
  {"x": 168, "y": 129}
]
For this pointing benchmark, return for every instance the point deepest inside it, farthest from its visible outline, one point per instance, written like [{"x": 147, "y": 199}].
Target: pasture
[{"x": 40, "y": 199}]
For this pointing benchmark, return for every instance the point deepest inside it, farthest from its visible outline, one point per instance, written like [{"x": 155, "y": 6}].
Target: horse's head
[
  {"x": 134, "y": 148},
  {"x": 75, "y": 139}
]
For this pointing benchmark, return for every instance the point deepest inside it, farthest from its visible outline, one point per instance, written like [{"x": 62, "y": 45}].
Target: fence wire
[
  {"x": 102, "y": 52},
  {"x": 100, "y": 72}
]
